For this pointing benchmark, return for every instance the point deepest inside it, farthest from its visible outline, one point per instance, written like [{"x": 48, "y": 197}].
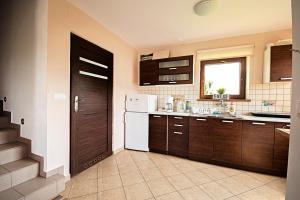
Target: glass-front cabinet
[{"x": 176, "y": 70}]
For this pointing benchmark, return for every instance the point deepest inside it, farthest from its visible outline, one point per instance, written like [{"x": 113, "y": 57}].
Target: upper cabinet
[
  {"x": 278, "y": 63},
  {"x": 177, "y": 70}
]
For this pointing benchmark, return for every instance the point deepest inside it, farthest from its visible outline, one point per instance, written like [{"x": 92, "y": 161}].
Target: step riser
[
  {"x": 7, "y": 136},
  {"x": 4, "y": 122},
  {"x": 5, "y": 182},
  {"x": 24, "y": 174},
  {"x": 12, "y": 154}
]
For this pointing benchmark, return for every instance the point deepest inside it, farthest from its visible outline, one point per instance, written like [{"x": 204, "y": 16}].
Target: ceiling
[{"x": 151, "y": 23}]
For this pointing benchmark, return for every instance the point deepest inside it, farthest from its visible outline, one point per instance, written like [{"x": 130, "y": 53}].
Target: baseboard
[{"x": 118, "y": 150}]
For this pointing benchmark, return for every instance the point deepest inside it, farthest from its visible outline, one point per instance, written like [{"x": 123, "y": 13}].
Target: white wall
[
  {"x": 293, "y": 181},
  {"x": 23, "y": 53}
]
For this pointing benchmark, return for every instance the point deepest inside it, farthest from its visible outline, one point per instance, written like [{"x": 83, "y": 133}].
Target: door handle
[
  {"x": 286, "y": 79},
  {"x": 199, "y": 119},
  {"x": 227, "y": 121},
  {"x": 178, "y": 133},
  {"x": 258, "y": 123},
  {"x": 178, "y": 125},
  {"x": 76, "y": 100}
]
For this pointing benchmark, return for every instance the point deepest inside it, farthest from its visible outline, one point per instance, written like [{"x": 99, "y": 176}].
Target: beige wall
[
  {"x": 293, "y": 180},
  {"x": 64, "y": 18},
  {"x": 258, "y": 40}
]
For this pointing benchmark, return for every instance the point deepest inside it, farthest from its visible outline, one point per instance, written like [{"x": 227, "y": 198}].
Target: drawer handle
[
  {"x": 227, "y": 121},
  {"x": 286, "y": 79},
  {"x": 156, "y": 116},
  {"x": 178, "y": 133},
  {"x": 178, "y": 125},
  {"x": 178, "y": 118},
  {"x": 258, "y": 123},
  {"x": 287, "y": 126},
  {"x": 172, "y": 68},
  {"x": 146, "y": 83},
  {"x": 173, "y": 82},
  {"x": 201, "y": 119}
]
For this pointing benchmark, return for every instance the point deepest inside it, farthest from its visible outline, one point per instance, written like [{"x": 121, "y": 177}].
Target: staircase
[{"x": 19, "y": 175}]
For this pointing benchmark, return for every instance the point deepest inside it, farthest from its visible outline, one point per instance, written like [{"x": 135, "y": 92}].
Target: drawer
[
  {"x": 199, "y": 122},
  {"x": 178, "y": 120},
  {"x": 258, "y": 132}
]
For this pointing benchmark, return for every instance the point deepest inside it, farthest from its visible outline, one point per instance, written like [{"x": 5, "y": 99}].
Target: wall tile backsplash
[{"x": 267, "y": 97}]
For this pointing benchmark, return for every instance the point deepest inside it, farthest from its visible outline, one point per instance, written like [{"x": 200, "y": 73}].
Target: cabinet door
[
  {"x": 227, "y": 141},
  {"x": 281, "y": 149},
  {"x": 281, "y": 63},
  {"x": 200, "y": 138},
  {"x": 178, "y": 135},
  {"x": 148, "y": 72},
  {"x": 257, "y": 144},
  {"x": 158, "y": 133}
]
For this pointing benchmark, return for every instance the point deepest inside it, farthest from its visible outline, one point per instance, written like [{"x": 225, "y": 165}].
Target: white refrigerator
[{"x": 138, "y": 107}]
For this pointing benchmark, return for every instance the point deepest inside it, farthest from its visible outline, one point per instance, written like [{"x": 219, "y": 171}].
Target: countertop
[{"x": 240, "y": 117}]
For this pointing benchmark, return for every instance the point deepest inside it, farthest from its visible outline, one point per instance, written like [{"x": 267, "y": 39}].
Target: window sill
[{"x": 230, "y": 100}]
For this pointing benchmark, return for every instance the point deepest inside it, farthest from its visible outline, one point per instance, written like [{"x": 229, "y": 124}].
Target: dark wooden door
[
  {"x": 158, "y": 133},
  {"x": 91, "y": 104},
  {"x": 227, "y": 141},
  {"x": 178, "y": 135},
  {"x": 200, "y": 138},
  {"x": 258, "y": 143},
  {"x": 281, "y": 63}
]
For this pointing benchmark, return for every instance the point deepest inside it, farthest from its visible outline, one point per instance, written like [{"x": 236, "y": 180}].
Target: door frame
[{"x": 74, "y": 57}]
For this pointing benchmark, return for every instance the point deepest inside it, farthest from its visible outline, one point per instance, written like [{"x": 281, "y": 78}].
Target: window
[{"x": 229, "y": 74}]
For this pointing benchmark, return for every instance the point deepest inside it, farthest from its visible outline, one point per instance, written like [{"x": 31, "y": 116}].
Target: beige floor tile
[
  {"x": 233, "y": 198},
  {"x": 138, "y": 191},
  {"x": 107, "y": 171},
  {"x": 145, "y": 164},
  {"x": 108, "y": 162},
  {"x": 127, "y": 168},
  {"x": 233, "y": 185},
  {"x": 200, "y": 165},
  {"x": 169, "y": 170},
  {"x": 151, "y": 174},
  {"x": 171, "y": 196},
  {"x": 110, "y": 182},
  {"x": 194, "y": 193},
  {"x": 159, "y": 162},
  {"x": 83, "y": 187},
  {"x": 175, "y": 160},
  {"x": 185, "y": 167},
  {"x": 139, "y": 156},
  {"x": 247, "y": 180},
  {"x": 278, "y": 185},
  {"x": 160, "y": 187},
  {"x": 214, "y": 173},
  {"x": 198, "y": 177},
  {"x": 262, "y": 177},
  {"x": 216, "y": 191},
  {"x": 114, "y": 194},
  {"x": 180, "y": 181},
  {"x": 87, "y": 197},
  {"x": 88, "y": 174},
  {"x": 230, "y": 171},
  {"x": 262, "y": 193},
  {"x": 131, "y": 178}
]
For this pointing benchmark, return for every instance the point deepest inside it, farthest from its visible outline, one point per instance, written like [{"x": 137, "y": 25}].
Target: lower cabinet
[
  {"x": 281, "y": 149},
  {"x": 200, "y": 138},
  {"x": 178, "y": 135},
  {"x": 158, "y": 133},
  {"x": 227, "y": 140},
  {"x": 258, "y": 144}
]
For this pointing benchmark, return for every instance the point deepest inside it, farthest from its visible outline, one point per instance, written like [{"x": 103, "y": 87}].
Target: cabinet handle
[
  {"x": 178, "y": 125},
  {"x": 146, "y": 83},
  {"x": 173, "y": 82},
  {"x": 286, "y": 79},
  {"x": 201, "y": 119},
  {"x": 156, "y": 116},
  {"x": 227, "y": 121},
  {"x": 178, "y": 133},
  {"x": 258, "y": 123},
  {"x": 172, "y": 68},
  {"x": 286, "y": 126},
  {"x": 178, "y": 118}
]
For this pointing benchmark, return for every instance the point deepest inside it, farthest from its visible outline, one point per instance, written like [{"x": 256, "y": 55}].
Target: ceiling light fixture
[{"x": 205, "y": 7}]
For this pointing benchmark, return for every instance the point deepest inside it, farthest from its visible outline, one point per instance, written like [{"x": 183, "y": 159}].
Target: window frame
[{"x": 243, "y": 76}]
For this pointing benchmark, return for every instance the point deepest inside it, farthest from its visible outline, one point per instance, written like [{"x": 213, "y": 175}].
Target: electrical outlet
[{"x": 22, "y": 121}]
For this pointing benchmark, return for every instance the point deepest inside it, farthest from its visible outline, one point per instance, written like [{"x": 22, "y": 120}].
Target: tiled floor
[{"x": 132, "y": 175}]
